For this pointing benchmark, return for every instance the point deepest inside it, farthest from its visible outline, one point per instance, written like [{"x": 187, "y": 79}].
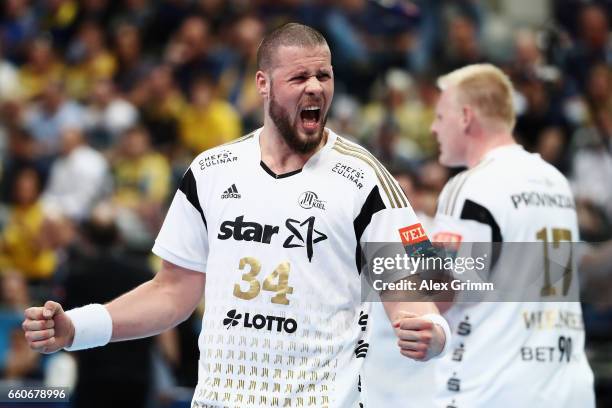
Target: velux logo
[
  {"x": 231, "y": 192},
  {"x": 412, "y": 234},
  {"x": 260, "y": 322}
]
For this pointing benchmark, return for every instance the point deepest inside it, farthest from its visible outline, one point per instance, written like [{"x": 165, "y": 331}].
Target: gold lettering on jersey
[
  {"x": 558, "y": 235},
  {"x": 277, "y": 281},
  {"x": 282, "y": 288},
  {"x": 250, "y": 278},
  {"x": 552, "y": 319}
]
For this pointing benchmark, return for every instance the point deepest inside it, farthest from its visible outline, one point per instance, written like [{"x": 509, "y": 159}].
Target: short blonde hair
[{"x": 486, "y": 88}]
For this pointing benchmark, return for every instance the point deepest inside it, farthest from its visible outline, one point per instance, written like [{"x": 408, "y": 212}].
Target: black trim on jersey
[
  {"x": 478, "y": 213},
  {"x": 188, "y": 187},
  {"x": 371, "y": 206},
  {"x": 278, "y": 176}
]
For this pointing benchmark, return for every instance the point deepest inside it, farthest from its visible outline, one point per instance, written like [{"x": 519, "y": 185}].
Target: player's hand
[
  {"x": 418, "y": 339},
  {"x": 48, "y": 328}
]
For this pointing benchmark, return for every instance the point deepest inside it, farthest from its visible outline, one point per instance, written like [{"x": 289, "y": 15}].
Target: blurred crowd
[{"x": 103, "y": 105}]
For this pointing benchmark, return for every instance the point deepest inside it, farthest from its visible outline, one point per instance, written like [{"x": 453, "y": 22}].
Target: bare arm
[{"x": 157, "y": 305}]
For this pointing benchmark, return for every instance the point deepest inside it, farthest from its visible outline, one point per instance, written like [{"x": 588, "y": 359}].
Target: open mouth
[{"x": 310, "y": 116}]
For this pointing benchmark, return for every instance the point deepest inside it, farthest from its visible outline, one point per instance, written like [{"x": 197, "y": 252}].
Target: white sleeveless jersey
[
  {"x": 513, "y": 354},
  {"x": 284, "y": 324}
]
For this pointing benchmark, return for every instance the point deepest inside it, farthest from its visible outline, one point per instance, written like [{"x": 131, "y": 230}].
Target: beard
[{"x": 280, "y": 118}]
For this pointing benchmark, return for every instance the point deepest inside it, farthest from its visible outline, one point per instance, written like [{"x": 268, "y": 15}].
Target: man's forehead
[
  {"x": 297, "y": 57},
  {"x": 448, "y": 95}
]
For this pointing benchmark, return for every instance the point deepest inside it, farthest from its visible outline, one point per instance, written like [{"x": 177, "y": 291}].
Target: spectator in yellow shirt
[
  {"x": 140, "y": 173},
  {"x": 40, "y": 70},
  {"x": 24, "y": 245},
  {"x": 94, "y": 60},
  {"x": 207, "y": 121},
  {"x": 142, "y": 183}
]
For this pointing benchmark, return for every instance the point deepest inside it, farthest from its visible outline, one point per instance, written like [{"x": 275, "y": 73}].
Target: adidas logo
[{"x": 231, "y": 192}]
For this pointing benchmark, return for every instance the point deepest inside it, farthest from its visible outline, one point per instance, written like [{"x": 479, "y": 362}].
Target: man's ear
[
  {"x": 467, "y": 116},
  {"x": 262, "y": 83}
]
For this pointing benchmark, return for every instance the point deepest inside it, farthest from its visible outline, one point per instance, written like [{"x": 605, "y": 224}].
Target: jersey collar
[
  {"x": 501, "y": 151},
  {"x": 316, "y": 158}
]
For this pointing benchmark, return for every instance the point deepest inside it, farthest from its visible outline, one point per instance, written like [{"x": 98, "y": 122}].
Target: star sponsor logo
[{"x": 303, "y": 235}]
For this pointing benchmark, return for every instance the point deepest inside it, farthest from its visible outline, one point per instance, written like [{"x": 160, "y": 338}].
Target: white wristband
[
  {"x": 440, "y": 321},
  {"x": 93, "y": 326}
]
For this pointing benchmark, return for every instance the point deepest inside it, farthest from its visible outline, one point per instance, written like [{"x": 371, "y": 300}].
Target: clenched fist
[
  {"x": 48, "y": 329},
  {"x": 419, "y": 339}
]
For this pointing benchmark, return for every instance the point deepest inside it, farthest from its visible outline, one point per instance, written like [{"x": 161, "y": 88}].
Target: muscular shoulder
[
  {"x": 357, "y": 166},
  {"x": 220, "y": 158}
]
